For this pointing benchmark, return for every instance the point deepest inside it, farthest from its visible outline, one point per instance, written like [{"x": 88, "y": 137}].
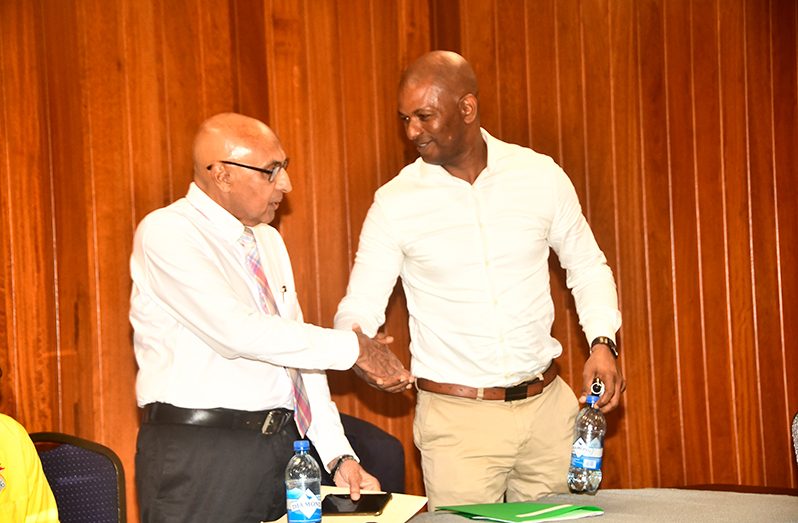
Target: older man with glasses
[{"x": 229, "y": 374}]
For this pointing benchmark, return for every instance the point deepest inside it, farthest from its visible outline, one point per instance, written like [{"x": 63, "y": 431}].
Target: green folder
[{"x": 519, "y": 512}]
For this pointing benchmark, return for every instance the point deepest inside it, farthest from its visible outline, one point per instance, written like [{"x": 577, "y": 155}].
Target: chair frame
[{"x": 45, "y": 441}]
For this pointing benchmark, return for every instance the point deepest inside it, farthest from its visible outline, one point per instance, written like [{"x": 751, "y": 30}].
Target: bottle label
[
  {"x": 303, "y": 506},
  {"x": 587, "y": 454}
]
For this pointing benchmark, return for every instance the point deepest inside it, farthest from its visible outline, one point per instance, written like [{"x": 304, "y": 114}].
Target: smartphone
[{"x": 368, "y": 504}]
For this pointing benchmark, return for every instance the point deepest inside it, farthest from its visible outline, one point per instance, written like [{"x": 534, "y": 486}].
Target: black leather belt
[{"x": 266, "y": 421}]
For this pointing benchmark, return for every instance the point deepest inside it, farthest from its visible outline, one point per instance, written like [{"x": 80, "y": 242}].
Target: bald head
[
  {"x": 229, "y": 136},
  {"x": 240, "y": 164},
  {"x": 446, "y": 69}
]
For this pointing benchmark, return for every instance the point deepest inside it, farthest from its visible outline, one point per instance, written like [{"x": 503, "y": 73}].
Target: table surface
[{"x": 667, "y": 506}]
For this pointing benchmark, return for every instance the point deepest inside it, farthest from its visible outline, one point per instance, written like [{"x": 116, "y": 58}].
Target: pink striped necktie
[{"x": 301, "y": 405}]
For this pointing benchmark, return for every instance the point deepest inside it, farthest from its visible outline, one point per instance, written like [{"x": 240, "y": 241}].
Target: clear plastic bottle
[
  {"x": 795, "y": 435},
  {"x": 303, "y": 486},
  {"x": 584, "y": 475}
]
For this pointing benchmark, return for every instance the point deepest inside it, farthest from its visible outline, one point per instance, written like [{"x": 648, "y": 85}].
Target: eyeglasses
[{"x": 271, "y": 172}]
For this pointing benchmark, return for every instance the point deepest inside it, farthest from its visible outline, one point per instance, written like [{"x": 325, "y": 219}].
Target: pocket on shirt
[{"x": 288, "y": 304}]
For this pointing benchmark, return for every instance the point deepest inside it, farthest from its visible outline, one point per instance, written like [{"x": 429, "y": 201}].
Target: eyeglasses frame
[{"x": 272, "y": 173}]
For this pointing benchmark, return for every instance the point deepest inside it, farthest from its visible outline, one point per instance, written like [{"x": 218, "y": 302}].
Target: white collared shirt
[
  {"x": 200, "y": 336},
  {"x": 473, "y": 259}
]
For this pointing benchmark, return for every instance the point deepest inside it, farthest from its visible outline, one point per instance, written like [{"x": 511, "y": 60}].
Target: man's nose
[
  {"x": 283, "y": 181},
  {"x": 412, "y": 129}
]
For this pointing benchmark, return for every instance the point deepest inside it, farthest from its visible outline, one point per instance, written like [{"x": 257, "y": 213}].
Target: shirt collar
[
  {"x": 494, "y": 153},
  {"x": 229, "y": 226}
]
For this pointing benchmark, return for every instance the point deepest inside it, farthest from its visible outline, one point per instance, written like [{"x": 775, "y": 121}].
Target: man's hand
[
  {"x": 378, "y": 366},
  {"x": 351, "y": 474},
  {"x": 603, "y": 365}
]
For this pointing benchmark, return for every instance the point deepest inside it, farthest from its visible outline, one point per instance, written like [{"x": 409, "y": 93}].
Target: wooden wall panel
[
  {"x": 146, "y": 107},
  {"x": 600, "y": 180},
  {"x": 29, "y": 388},
  {"x": 676, "y": 121},
  {"x": 712, "y": 268},
  {"x": 783, "y": 20},
  {"x": 655, "y": 115},
  {"x": 737, "y": 184},
  {"x": 630, "y": 270},
  {"x": 770, "y": 391}
]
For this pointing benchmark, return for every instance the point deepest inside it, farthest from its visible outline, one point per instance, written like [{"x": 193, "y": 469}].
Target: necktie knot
[{"x": 247, "y": 237}]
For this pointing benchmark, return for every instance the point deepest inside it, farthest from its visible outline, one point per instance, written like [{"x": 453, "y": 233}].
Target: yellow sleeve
[{"x": 25, "y": 494}]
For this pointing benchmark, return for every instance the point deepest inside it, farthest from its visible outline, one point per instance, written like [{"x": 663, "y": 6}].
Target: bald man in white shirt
[
  {"x": 226, "y": 362},
  {"x": 468, "y": 227}
]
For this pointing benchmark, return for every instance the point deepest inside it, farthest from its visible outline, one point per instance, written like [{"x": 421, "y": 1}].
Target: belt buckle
[
  {"x": 515, "y": 393},
  {"x": 273, "y": 422}
]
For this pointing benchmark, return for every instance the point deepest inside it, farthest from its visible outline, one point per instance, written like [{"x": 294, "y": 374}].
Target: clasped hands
[{"x": 378, "y": 366}]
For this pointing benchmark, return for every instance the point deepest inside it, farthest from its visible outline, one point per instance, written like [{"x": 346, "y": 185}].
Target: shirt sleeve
[
  {"x": 325, "y": 431},
  {"x": 377, "y": 265},
  {"x": 588, "y": 275},
  {"x": 177, "y": 271}
]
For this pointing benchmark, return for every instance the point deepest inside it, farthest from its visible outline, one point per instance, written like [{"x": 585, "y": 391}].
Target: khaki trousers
[{"x": 476, "y": 451}]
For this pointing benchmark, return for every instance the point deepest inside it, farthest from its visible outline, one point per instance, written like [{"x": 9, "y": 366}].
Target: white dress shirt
[
  {"x": 201, "y": 337},
  {"x": 473, "y": 259}
]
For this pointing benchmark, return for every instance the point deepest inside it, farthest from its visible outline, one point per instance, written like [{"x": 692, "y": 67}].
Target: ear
[
  {"x": 221, "y": 177},
  {"x": 469, "y": 106}
]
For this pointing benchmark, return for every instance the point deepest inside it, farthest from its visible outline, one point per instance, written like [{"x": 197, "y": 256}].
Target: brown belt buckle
[
  {"x": 273, "y": 423},
  {"x": 515, "y": 393}
]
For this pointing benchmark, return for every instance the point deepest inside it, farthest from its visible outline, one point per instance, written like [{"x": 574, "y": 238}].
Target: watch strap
[
  {"x": 605, "y": 340},
  {"x": 340, "y": 461}
]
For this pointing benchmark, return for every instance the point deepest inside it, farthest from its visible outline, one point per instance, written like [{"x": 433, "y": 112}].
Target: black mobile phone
[{"x": 368, "y": 504}]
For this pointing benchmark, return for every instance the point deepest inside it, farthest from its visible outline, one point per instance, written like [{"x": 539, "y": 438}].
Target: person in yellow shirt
[{"x": 25, "y": 495}]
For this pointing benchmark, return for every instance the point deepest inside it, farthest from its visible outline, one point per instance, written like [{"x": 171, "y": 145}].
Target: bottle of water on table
[
  {"x": 584, "y": 475},
  {"x": 303, "y": 486}
]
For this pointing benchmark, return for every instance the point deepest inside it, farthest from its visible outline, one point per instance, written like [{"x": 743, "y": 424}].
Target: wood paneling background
[{"x": 675, "y": 119}]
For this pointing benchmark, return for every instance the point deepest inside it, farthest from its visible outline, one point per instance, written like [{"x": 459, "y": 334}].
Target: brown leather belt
[{"x": 517, "y": 392}]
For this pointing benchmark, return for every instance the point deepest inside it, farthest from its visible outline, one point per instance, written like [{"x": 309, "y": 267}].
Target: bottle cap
[
  {"x": 301, "y": 444},
  {"x": 592, "y": 399},
  {"x": 597, "y": 387}
]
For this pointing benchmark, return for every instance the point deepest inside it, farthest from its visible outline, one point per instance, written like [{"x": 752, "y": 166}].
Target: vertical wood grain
[
  {"x": 769, "y": 392},
  {"x": 784, "y": 43},
  {"x": 66, "y": 63},
  {"x": 600, "y": 180},
  {"x": 711, "y": 242},
  {"x": 249, "y": 71},
  {"x": 658, "y": 207},
  {"x": 635, "y": 337},
  {"x": 110, "y": 211},
  {"x": 689, "y": 390},
  {"x": 740, "y": 281},
  {"x": 29, "y": 387}
]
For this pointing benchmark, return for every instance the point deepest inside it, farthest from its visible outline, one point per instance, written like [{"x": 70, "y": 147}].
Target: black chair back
[{"x": 87, "y": 478}]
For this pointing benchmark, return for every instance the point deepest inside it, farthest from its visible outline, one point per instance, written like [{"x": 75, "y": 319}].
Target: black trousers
[{"x": 198, "y": 474}]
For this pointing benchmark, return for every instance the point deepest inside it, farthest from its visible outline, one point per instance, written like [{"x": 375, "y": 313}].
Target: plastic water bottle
[
  {"x": 584, "y": 475},
  {"x": 303, "y": 486}
]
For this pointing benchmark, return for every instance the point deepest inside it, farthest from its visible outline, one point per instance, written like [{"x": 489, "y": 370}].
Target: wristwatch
[
  {"x": 338, "y": 463},
  {"x": 606, "y": 341}
]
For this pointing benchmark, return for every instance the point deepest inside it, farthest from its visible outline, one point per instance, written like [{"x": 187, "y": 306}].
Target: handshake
[{"x": 378, "y": 366}]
